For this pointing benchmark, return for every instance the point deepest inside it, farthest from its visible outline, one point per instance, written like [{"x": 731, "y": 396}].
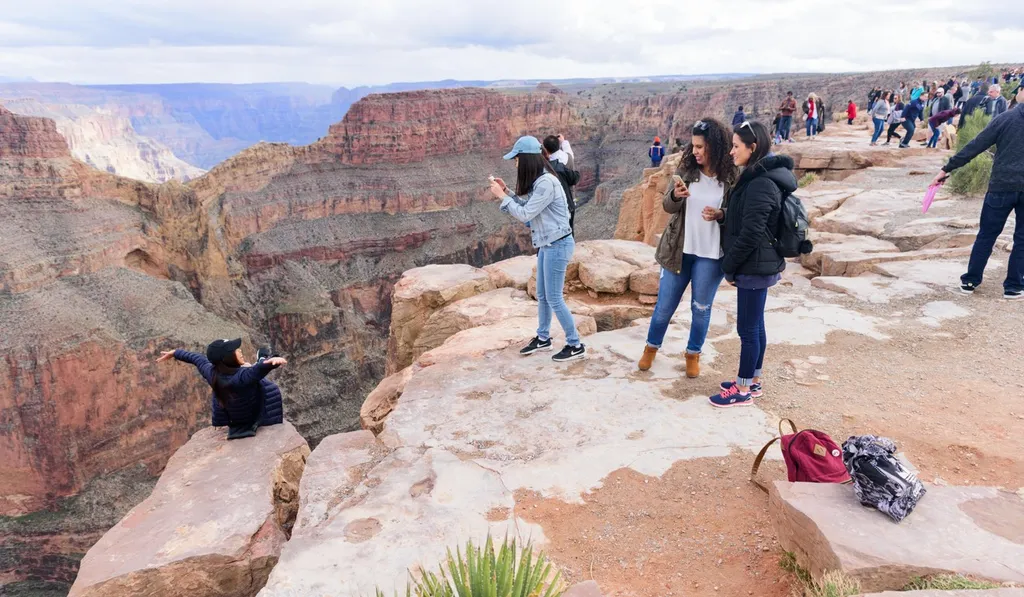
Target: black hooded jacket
[{"x": 753, "y": 217}]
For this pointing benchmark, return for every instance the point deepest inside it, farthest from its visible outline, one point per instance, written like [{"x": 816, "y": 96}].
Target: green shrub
[
  {"x": 479, "y": 572},
  {"x": 972, "y": 178},
  {"x": 807, "y": 179},
  {"x": 947, "y": 583}
]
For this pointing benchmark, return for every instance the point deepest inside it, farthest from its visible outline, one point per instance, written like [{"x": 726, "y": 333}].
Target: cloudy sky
[{"x": 344, "y": 42}]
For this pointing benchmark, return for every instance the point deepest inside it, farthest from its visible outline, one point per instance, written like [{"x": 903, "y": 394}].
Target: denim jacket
[{"x": 544, "y": 210}]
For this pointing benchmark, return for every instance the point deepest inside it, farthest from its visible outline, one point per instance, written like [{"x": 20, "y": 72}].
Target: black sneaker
[
  {"x": 536, "y": 345},
  {"x": 570, "y": 353},
  {"x": 1012, "y": 295},
  {"x": 968, "y": 288}
]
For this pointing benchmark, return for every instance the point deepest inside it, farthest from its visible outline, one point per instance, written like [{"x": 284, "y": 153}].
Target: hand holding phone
[{"x": 679, "y": 187}]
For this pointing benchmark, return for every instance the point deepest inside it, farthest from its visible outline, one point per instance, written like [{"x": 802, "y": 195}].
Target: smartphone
[{"x": 676, "y": 179}]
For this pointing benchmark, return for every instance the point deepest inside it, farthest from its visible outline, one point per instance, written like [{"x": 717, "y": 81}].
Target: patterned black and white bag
[{"x": 879, "y": 478}]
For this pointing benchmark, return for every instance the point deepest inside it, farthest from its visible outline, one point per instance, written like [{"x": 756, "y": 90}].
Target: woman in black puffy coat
[{"x": 751, "y": 263}]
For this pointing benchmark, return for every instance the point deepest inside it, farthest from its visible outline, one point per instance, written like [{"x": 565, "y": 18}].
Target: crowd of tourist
[{"x": 933, "y": 103}]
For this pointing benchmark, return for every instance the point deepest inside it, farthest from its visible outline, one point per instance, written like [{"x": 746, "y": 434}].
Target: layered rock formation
[{"x": 108, "y": 142}]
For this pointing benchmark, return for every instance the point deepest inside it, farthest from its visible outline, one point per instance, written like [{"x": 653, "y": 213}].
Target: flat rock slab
[
  {"x": 974, "y": 531},
  {"x": 468, "y": 433},
  {"x": 583, "y": 589},
  {"x": 873, "y": 288},
  {"x": 213, "y": 526}
]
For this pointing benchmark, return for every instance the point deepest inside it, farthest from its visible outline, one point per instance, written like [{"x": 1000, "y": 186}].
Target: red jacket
[{"x": 851, "y": 110}]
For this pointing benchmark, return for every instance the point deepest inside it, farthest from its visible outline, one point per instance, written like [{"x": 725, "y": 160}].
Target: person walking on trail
[
  {"x": 996, "y": 104},
  {"x": 739, "y": 116},
  {"x": 656, "y": 153},
  {"x": 237, "y": 388},
  {"x": 895, "y": 119},
  {"x": 787, "y": 109},
  {"x": 569, "y": 178},
  {"x": 912, "y": 112},
  {"x": 879, "y": 114},
  {"x": 690, "y": 249},
  {"x": 539, "y": 201},
  {"x": 751, "y": 262},
  {"x": 851, "y": 112},
  {"x": 1005, "y": 194}
]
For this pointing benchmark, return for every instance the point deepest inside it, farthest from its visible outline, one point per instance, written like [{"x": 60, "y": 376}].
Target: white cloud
[{"x": 349, "y": 42}]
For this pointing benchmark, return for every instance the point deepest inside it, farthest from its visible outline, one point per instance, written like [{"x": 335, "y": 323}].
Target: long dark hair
[
  {"x": 717, "y": 142},
  {"x": 226, "y": 368},
  {"x": 751, "y": 133},
  {"x": 531, "y": 167}
]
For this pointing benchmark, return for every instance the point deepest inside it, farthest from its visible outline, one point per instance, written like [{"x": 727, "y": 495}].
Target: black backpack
[{"x": 791, "y": 235}]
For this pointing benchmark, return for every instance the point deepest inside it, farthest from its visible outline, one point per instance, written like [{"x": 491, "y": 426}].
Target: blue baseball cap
[{"x": 524, "y": 145}]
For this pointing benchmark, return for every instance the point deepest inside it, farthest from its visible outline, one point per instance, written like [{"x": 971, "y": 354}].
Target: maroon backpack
[{"x": 811, "y": 457}]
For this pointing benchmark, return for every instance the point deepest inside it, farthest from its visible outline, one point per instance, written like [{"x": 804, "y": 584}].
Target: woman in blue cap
[{"x": 540, "y": 203}]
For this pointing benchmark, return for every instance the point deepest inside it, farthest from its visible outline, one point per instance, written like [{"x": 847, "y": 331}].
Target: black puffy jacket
[
  {"x": 249, "y": 394},
  {"x": 753, "y": 216}
]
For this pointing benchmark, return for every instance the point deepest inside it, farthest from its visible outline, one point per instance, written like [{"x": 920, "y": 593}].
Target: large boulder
[
  {"x": 213, "y": 526},
  {"x": 381, "y": 401},
  {"x": 974, "y": 531},
  {"x": 512, "y": 273},
  {"x": 482, "y": 309},
  {"x": 417, "y": 295}
]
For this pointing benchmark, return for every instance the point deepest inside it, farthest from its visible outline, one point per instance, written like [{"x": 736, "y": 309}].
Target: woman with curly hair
[{"x": 690, "y": 250}]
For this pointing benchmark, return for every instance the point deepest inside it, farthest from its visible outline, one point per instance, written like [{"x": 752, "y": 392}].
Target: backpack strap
[
  {"x": 757, "y": 465},
  {"x": 764, "y": 451}
]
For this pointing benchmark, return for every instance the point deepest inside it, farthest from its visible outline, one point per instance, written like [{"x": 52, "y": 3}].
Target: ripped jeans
[{"x": 705, "y": 275}]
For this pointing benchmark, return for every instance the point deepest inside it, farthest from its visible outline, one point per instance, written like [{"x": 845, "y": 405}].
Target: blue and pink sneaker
[
  {"x": 755, "y": 388},
  {"x": 731, "y": 397}
]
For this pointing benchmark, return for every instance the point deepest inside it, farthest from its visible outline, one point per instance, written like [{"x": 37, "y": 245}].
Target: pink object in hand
[{"x": 929, "y": 196}]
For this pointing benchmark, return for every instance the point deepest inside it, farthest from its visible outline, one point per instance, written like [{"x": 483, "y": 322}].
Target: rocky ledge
[{"x": 213, "y": 526}]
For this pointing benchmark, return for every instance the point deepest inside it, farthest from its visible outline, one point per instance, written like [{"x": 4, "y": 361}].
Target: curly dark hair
[{"x": 718, "y": 141}]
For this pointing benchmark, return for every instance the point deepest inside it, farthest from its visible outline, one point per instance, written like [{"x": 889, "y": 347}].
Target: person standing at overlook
[
  {"x": 539, "y": 201},
  {"x": 739, "y": 116},
  {"x": 812, "y": 111},
  {"x": 656, "y": 153},
  {"x": 751, "y": 262},
  {"x": 879, "y": 114},
  {"x": 851, "y": 112},
  {"x": 1005, "y": 195},
  {"x": 787, "y": 108},
  {"x": 568, "y": 177},
  {"x": 895, "y": 119},
  {"x": 690, "y": 249}
]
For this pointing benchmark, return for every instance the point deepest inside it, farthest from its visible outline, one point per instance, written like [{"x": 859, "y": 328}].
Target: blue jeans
[
  {"x": 750, "y": 326},
  {"x": 994, "y": 213},
  {"x": 879, "y": 127},
  {"x": 705, "y": 275},
  {"x": 911, "y": 127},
  {"x": 552, "y": 262},
  {"x": 812, "y": 127},
  {"x": 785, "y": 123},
  {"x": 934, "y": 141}
]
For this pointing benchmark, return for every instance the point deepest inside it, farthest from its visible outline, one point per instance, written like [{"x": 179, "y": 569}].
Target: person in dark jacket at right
[
  {"x": 236, "y": 388},
  {"x": 1005, "y": 194},
  {"x": 751, "y": 263}
]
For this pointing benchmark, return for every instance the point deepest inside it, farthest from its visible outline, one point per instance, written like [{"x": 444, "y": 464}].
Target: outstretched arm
[
  {"x": 988, "y": 137},
  {"x": 204, "y": 366},
  {"x": 248, "y": 375}
]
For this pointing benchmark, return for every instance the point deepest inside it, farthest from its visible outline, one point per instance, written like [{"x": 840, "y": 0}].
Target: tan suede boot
[
  {"x": 692, "y": 365},
  {"x": 648, "y": 359}
]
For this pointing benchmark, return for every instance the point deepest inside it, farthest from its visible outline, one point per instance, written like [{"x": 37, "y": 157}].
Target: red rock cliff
[{"x": 25, "y": 137}]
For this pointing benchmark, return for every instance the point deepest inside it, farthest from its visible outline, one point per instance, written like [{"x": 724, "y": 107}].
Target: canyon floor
[{"x": 631, "y": 478}]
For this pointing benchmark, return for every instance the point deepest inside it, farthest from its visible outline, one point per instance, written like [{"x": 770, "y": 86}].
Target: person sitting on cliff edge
[{"x": 241, "y": 400}]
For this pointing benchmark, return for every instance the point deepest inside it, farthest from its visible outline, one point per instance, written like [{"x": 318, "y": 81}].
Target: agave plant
[{"x": 480, "y": 572}]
